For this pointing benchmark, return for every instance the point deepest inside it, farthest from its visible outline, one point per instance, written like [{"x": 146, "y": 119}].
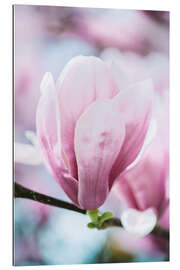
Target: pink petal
[
  {"x": 135, "y": 105},
  {"x": 99, "y": 135},
  {"x": 46, "y": 123},
  {"x": 146, "y": 181},
  {"x": 123, "y": 190},
  {"x": 83, "y": 80},
  {"x": 67, "y": 183},
  {"x": 47, "y": 133},
  {"x": 164, "y": 219}
]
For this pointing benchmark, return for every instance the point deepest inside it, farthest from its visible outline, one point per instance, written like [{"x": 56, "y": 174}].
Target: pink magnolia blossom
[
  {"x": 143, "y": 190},
  {"x": 89, "y": 130},
  {"x": 144, "y": 185}
]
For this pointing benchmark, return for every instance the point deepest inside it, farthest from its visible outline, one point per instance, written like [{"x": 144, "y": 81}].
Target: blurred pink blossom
[
  {"x": 27, "y": 66},
  {"x": 145, "y": 186},
  {"x": 88, "y": 130},
  {"x": 137, "y": 68},
  {"x": 123, "y": 30}
]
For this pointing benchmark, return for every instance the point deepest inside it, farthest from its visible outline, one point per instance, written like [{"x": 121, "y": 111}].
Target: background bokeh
[{"x": 45, "y": 39}]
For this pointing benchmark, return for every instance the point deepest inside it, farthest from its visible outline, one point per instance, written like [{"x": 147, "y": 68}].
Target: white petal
[
  {"x": 31, "y": 136},
  {"x": 47, "y": 83},
  {"x": 138, "y": 223},
  {"x": 27, "y": 154}
]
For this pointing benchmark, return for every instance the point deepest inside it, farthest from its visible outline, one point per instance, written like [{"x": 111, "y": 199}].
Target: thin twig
[{"x": 22, "y": 192}]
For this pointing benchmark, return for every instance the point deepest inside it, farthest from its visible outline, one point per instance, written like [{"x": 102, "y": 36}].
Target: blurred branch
[
  {"x": 157, "y": 231},
  {"x": 22, "y": 192}
]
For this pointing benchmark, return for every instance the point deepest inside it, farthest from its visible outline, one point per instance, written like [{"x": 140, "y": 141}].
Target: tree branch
[
  {"x": 157, "y": 231},
  {"x": 22, "y": 192}
]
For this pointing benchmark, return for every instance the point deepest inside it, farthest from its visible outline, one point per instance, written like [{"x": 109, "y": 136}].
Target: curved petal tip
[
  {"x": 47, "y": 83},
  {"x": 138, "y": 223}
]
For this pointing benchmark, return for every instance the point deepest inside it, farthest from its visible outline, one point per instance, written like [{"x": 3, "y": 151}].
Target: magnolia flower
[
  {"x": 143, "y": 191},
  {"x": 89, "y": 129}
]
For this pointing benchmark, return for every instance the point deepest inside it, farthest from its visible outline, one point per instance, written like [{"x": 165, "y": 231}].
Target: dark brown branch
[{"x": 22, "y": 192}]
